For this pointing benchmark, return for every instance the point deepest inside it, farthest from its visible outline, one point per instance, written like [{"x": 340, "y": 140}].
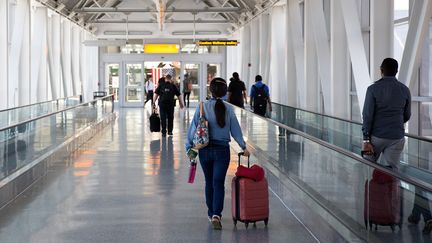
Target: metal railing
[{"x": 412, "y": 180}]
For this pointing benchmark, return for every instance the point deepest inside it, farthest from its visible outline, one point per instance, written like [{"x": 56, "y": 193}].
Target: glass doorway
[
  {"x": 213, "y": 71},
  {"x": 112, "y": 79},
  {"x": 192, "y": 81},
  {"x": 134, "y": 85}
]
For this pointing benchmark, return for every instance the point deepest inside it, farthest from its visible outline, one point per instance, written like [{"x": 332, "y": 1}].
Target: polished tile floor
[{"x": 128, "y": 185}]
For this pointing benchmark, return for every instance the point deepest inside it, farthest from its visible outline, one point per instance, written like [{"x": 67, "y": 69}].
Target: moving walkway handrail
[
  {"x": 55, "y": 112},
  {"x": 409, "y": 179},
  {"x": 38, "y": 103},
  {"x": 350, "y": 121}
]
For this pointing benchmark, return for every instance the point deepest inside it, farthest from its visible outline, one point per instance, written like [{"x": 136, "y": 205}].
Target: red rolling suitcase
[
  {"x": 250, "y": 202},
  {"x": 383, "y": 201}
]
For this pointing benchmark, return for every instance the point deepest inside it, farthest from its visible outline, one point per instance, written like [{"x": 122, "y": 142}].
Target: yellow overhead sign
[
  {"x": 218, "y": 43},
  {"x": 161, "y": 48}
]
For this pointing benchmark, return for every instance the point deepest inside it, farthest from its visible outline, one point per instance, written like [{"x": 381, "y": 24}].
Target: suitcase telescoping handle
[{"x": 239, "y": 156}]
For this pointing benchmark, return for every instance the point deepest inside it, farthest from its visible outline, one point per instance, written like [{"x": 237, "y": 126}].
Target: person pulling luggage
[
  {"x": 166, "y": 92},
  {"x": 215, "y": 157}
]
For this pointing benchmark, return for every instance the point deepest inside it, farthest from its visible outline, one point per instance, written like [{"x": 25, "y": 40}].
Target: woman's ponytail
[
  {"x": 218, "y": 88},
  {"x": 220, "y": 110}
]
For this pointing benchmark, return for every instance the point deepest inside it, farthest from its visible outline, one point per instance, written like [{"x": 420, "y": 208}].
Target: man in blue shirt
[
  {"x": 259, "y": 97},
  {"x": 386, "y": 109}
]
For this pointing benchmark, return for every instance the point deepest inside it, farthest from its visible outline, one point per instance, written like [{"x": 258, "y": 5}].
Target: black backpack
[
  {"x": 167, "y": 94},
  {"x": 260, "y": 99}
]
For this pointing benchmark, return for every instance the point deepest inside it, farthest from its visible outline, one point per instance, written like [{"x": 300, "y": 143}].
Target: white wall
[{"x": 42, "y": 61}]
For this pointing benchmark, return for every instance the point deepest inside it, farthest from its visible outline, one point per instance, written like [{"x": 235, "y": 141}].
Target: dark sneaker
[
  {"x": 413, "y": 220},
  {"x": 216, "y": 222},
  {"x": 170, "y": 133},
  {"x": 428, "y": 227}
]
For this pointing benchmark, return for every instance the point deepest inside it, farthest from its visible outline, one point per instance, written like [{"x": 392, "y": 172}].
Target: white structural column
[
  {"x": 417, "y": 32},
  {"x": 16, "y": 40},
  {"x": 290, "y": 62},
  {"x": 54, "y": 55},
  {"x": 76, "y": 45},
  {"x": 381, "y": 34},
  {"x": 24, "y": 62},
  {"x": 3, "y": 54},
  {"x": 255, "y": 55},
  {"x": 296, "y": 37},
  {"x": 277, "y": 80},
  {"x": 323, "y": 52},
  {"x": 38, "y": 58},
  {"x": 265, "y": 43},
  {"x": 82, "y": 66},
  {"x": 66, "y": 58},
  {"x": 311, "y": 64},
  {"x": 340, "y": 64},
  {"x": 356, "y": 48},
  {"x": 246, "y": 55}
]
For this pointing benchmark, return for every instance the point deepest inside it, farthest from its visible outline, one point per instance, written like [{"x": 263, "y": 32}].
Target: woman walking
[{"x": 215, "y": 157}]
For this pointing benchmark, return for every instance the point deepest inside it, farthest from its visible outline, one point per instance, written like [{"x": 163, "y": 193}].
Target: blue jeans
[{"x": 214, "y": 161}]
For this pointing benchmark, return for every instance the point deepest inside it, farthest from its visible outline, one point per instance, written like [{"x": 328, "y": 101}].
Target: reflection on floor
[{"x": 129, "y": 185}]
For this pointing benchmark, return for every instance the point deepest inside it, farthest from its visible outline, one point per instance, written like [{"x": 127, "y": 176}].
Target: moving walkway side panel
[
  {"x": 332, "y": 181},
  {"x": 416, "y": 159},
  {"x": 28, "y": 149}
]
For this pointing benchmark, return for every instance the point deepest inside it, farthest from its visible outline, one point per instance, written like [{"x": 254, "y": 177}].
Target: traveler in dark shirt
[
  {"x": 166, "y": 92},
  {"x": 386, "y": 109},
  {"x": 237, "y": 91}
]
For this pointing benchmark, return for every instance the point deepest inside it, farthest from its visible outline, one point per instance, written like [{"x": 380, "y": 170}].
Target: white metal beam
[
  {"x": 148, "y": 10},
  {"x": 356, "y": 48},
  {"x": 340, "y": 63},
  {"x": 418, "y": 28}
]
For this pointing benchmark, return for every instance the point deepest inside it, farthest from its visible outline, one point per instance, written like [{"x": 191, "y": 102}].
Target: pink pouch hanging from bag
[{"x": 192, "y": 172}]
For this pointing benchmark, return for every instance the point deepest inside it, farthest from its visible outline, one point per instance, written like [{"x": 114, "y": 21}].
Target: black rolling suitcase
[{"x": 155, "y": 122}]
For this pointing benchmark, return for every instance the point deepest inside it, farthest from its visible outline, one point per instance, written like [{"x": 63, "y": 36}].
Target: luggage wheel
[
  {"x": 235, "y": 221},
  {"x": 246, "y": 224},
  {"x": 266, "y": 221},
  {"x": 392, "y": 227},
  {"x": 400, "y": 226},
  {"x": 254, "y": 225}
]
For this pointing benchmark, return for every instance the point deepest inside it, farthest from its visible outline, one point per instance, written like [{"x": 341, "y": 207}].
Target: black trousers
[
  {"x": 260, "y": 110},
  {"x": 166, "y": 115},
  {"x": 186, "y": 96}
]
